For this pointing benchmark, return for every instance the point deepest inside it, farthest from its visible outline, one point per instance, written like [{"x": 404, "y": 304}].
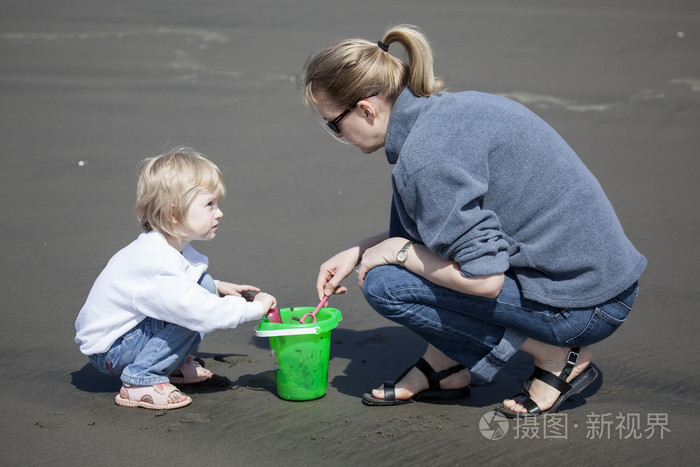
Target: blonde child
[{"x": 148, "y": 309}]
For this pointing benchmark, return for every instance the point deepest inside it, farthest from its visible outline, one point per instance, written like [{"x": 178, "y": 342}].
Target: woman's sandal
[
  {"x": 433, "y": 390},
  {"x": 150, "y": 397},
  {"x": 559, "y": 383},
  {"x": 190, "y": 372}
]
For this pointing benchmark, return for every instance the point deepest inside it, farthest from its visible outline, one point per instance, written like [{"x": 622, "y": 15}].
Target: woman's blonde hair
[
  {"x": 353, "y": 69},
  {"x": 167, "y": 185}
]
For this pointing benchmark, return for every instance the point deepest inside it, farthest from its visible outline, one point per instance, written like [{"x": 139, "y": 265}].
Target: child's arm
[
  {"x": 185, "y": 303},
  {"x": 267, "y": 301},
  {"x": 248, "y": 292},
  {"x": 227, "y": 288}
]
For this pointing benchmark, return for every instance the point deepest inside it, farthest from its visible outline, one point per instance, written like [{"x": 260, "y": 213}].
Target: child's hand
[
  {"x": 227, "y": 288},
  {"x": 266, "y": 300}
]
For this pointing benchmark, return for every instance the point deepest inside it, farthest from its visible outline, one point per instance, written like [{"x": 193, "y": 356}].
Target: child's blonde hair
[
  {"x": 168, "y": 184},
  {"x": 353, "y": 69}
]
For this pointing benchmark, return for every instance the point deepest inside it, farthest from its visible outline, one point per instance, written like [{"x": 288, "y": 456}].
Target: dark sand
[{"x": 90, "y": 88}]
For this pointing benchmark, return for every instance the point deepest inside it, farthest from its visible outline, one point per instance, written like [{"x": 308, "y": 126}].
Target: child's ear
[{"x": 173, "y": 218}]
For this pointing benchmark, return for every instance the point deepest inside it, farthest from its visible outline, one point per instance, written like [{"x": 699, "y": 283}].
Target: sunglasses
[{"x": 333, "y": 124}]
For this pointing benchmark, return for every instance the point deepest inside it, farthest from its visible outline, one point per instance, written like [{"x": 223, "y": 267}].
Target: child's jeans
[{"x": 150, "y": 351}]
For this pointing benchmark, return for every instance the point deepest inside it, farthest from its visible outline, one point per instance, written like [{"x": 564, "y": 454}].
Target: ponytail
[
  {"x": 421, "y": 79},
  {"x": 352, "y": 69}
]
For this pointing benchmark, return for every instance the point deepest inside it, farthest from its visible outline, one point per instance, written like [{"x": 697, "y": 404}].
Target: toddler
[{"x": 149, "y": 308}]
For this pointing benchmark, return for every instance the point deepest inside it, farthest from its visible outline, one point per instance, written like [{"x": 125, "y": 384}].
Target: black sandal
[
  {"x": 434, "y": 390},
  {"x": 559, "y": 383}
]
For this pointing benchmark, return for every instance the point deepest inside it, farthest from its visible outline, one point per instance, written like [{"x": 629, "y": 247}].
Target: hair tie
[{"x": 383, "y": 46}]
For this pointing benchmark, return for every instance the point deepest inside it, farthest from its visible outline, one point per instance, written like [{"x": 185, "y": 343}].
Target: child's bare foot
[
  {"x": 552, "y": 359},
  {"x": 190, "y": 372}
]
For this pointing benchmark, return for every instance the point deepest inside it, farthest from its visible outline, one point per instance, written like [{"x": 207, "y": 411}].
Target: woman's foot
[
  {"x": 415, "y": 380},
  {"x": 552, "y": 359}
]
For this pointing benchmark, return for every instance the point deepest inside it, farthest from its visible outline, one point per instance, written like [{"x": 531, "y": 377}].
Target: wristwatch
[{"x": 402, "y": 255}]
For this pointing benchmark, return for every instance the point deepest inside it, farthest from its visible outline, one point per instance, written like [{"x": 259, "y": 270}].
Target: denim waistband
[{"x": 629, "y": 296}]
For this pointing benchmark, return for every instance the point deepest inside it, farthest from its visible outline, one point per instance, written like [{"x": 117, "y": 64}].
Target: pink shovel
[{"x": 313, "y": 313}]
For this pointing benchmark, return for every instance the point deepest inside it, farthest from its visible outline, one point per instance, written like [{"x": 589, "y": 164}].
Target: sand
[{"x": 90, "y": 88}]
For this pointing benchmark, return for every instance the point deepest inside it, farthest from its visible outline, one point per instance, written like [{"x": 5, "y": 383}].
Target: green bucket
[{"x": 302, "y": 351}]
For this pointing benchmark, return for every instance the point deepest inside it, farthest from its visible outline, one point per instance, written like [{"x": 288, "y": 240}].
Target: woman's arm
[{"x": 426, "y": 264}]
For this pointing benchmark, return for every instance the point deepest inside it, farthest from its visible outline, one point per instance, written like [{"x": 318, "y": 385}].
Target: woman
[{"x": 499, "y": 240}]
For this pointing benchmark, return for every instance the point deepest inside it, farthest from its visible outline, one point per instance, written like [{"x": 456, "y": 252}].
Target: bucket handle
[{"x": 288, "y": 332}]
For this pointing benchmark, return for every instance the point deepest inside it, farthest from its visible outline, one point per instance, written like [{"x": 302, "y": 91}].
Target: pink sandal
[
  {"x": 150, "y": 397},
  {"x": 190, "y": 372}
]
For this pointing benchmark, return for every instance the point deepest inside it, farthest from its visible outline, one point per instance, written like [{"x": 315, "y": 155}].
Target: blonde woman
[{"x": 499, "y": 239}]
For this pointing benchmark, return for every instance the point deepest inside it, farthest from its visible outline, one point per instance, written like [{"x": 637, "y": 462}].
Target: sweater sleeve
[
  {"x": 444, "y": 200},
  {"x": 174, "y": 298}
]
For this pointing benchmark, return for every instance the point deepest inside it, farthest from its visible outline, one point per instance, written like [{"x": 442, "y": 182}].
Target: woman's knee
[
  {"x": 383, "y": 289},
  {"x": 377, "y": 280}
]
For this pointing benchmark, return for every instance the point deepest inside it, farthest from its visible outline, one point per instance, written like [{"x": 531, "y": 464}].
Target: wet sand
[{"x": 89, "y": 89}]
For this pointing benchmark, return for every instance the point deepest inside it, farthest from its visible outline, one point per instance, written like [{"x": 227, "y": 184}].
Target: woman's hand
[
  {"x": 332, "y": 272},
  {"x": 378, "y": 255},
  {"x": 227, "y": 288}
]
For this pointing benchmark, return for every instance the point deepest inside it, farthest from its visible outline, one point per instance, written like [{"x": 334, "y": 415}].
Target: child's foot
[
  {"x": 163, "y": 396},
  {"x": 190, "y": 372}
]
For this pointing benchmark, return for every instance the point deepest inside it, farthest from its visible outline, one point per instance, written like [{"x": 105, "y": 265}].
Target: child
[{"x": 148, "y": 309}]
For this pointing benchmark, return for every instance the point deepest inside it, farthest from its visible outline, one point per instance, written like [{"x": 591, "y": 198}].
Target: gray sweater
[{"x": 483, "y": 181}]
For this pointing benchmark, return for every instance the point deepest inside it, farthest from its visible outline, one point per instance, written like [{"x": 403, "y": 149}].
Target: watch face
[{"x": 401, "y": 256}]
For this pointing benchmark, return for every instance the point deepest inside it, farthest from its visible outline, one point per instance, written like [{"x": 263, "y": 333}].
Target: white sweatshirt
[{"x": 150, "y": 278}]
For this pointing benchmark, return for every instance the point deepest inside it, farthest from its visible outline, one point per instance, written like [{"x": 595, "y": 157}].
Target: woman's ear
[{"x": 369, "y": 111}]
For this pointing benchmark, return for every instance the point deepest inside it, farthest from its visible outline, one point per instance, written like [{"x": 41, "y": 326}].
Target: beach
[{"x": 91, "y": 88}]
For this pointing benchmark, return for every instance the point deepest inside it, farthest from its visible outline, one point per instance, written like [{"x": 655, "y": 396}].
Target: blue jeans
[
  {"x": 151, "y": 350},
  {"x": 482, "y": 333}
]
